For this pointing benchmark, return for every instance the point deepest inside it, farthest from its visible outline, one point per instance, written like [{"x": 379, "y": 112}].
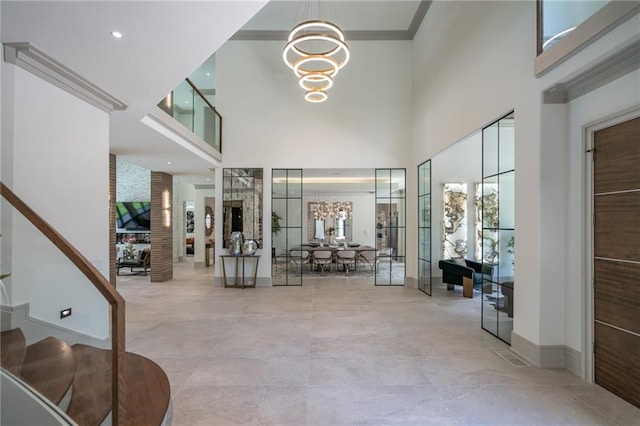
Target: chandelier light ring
[
  {"x": 316, "y": 96},
  {"x": 315, "y": 51},
  {"x": 331, "y": 71},
  {"x": 316, "y": 23},
  {"x": 316, "y": 82},
  {"x": 292, "y": 46}
]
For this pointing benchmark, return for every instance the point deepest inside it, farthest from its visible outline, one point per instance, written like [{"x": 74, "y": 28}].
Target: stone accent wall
[
  {"x": 161, "y": 227},
  {"x": 133, "y": 182},
  {"x": 112, "y": 219}
]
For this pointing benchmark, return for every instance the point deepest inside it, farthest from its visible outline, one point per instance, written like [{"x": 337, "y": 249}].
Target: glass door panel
[
  {"x": 498, "y": 227},
  {"x": 286, "y": 226},
  {"x": 390, "y": 226},
  {"x": 424, "y": 227}
]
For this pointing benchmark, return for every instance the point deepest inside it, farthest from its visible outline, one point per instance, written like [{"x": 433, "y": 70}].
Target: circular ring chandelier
[{"x": 316, "y": 51}]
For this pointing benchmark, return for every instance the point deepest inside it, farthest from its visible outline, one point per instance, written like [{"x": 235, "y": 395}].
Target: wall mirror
[
  {"x": 242, "y": 203},
  {"x": 327, "y": 219}
]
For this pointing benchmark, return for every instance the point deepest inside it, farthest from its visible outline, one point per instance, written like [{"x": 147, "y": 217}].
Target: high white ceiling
[{"x": 164, "y": 42}]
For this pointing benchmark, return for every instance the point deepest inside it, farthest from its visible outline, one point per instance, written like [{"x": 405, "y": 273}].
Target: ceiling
[{"x": 153, "y": 58}]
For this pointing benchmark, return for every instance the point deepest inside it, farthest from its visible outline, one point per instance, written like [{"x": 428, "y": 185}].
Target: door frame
[{"x": 588, "y": 133}]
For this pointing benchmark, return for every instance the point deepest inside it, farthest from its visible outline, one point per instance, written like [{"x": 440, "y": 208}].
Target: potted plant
[{"x": 275, "y": 223}]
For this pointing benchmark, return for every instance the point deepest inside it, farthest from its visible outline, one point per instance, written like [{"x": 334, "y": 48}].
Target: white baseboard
[
  {"x": 547, "y": 356},
  {"x": 35, "y": 330},
  {"x": 411, "y": 282},
  {"x": 260, "y": 281}
]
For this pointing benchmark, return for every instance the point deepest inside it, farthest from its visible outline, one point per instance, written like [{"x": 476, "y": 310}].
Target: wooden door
[{"x": 616, "y": 260}]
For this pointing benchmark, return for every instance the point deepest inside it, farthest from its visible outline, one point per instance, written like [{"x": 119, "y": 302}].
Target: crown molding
[
  {"x": 31, "y": 59},
  {"x": 277, "y": 35},
  {"x": 373, "y": 35},
  {"x": 606, "y": 70}
]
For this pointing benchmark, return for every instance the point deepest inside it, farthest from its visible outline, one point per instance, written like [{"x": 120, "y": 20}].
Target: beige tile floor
[{"x": 343, "y": 352}]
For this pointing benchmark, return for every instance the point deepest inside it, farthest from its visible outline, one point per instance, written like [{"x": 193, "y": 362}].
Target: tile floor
[{"x": 343, "y": 352}]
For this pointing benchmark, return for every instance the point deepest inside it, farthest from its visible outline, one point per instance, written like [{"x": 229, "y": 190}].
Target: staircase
[{"x": 78, "y": 380}]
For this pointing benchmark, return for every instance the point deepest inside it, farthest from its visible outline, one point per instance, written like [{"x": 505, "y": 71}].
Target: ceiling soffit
[{"x": 353, "y": 35}]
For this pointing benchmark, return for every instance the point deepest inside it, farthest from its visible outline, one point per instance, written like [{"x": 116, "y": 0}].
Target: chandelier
[
  {"x": 336, "y": 209},
  {"x": 316, "y": 51}
]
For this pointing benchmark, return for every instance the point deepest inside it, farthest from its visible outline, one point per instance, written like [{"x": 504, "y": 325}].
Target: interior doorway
[{"x": 616, "y": 259}]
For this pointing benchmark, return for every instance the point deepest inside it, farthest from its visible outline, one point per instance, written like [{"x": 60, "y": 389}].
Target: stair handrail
[{"x": 115, "y": 300}]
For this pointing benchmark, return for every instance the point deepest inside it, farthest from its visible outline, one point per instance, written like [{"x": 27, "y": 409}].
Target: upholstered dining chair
[
  {"x": 345, "y": 258},
  {"x": 322, "y": 258},
  {"x": 368, "y": 258},
  {"x": 299, "y": 258}
]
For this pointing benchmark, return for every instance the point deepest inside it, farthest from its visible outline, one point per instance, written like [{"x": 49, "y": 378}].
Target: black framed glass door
[
  {"x": 286, "y": 226},
  {"x": 424, "y": 227},
  {"x": 390, "y": 226}
]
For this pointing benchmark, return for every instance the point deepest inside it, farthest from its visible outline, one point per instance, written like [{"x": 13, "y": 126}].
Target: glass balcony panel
[
  {"x": 183, "y": 98},
  {"x": 559, "y": 18}
]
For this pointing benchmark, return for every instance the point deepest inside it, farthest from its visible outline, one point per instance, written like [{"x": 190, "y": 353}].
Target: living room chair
[
  {"x": 142, "y": 262},
  {"x": 467, "y": 273}
]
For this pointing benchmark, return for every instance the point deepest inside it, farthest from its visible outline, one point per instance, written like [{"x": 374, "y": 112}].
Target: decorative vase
[
  {"x": 235, "y": 245},
  {"x": 249, "y": 247}
]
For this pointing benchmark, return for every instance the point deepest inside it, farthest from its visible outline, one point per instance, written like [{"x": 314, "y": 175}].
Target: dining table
[{"x": 334, "y": 248}]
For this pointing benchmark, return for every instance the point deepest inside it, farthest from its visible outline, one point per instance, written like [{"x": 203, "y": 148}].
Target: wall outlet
[{"x": 65, "y": 313}]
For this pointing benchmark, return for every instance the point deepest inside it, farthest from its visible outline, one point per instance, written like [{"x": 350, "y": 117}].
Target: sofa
[{"x": 464, "y": 272}]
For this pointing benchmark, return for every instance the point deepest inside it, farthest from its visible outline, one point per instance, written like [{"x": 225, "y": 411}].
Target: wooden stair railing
[{"x": 114, "y": 299}]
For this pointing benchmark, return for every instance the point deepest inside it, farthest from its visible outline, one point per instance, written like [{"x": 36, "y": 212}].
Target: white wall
[
  {"x": 365, "y": 123},
  {"x": 608, "y": 100},
  {"x": 461, "y": 162},
  {"x": 58, "y": 147},
  {"x": 465, "y": 79}
]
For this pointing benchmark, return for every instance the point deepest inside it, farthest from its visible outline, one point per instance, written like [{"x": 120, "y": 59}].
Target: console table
[{"x": 240, "y": 282}]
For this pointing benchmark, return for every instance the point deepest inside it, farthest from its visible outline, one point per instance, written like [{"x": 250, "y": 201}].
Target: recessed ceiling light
[
  {"x": 208, "y": 179},
  {"x": 168, "y": 162},
  {"x": 208, "y": 74},
  {"x": 186, "y": 102},
  {"x": 116, "y": 34}
]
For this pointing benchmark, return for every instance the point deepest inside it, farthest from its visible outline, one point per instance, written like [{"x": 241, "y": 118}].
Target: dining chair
[
  {"x": 346, "y": 258},
  {"x": 369, "y": 258},
  {"x": 322, "y": 258},
  {"x": 299, "y": 258}
]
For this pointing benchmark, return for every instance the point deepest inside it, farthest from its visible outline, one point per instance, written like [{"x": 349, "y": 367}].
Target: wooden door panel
[
  {"x": 617, "y": 228},
  {"x": 617, "y": 165},
  {"x": 617, "y": 294},
  {"x": 620, "y": 375},
  {"x": 616, "y": 262}
]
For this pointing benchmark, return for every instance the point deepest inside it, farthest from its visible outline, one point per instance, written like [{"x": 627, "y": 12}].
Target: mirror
[
  {"x": 330, "y": 220},
  {"x": 242, "y": 204}
]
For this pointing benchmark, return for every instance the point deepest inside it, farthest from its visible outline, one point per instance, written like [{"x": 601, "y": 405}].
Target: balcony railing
[{"x": 188, "y": 105}]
